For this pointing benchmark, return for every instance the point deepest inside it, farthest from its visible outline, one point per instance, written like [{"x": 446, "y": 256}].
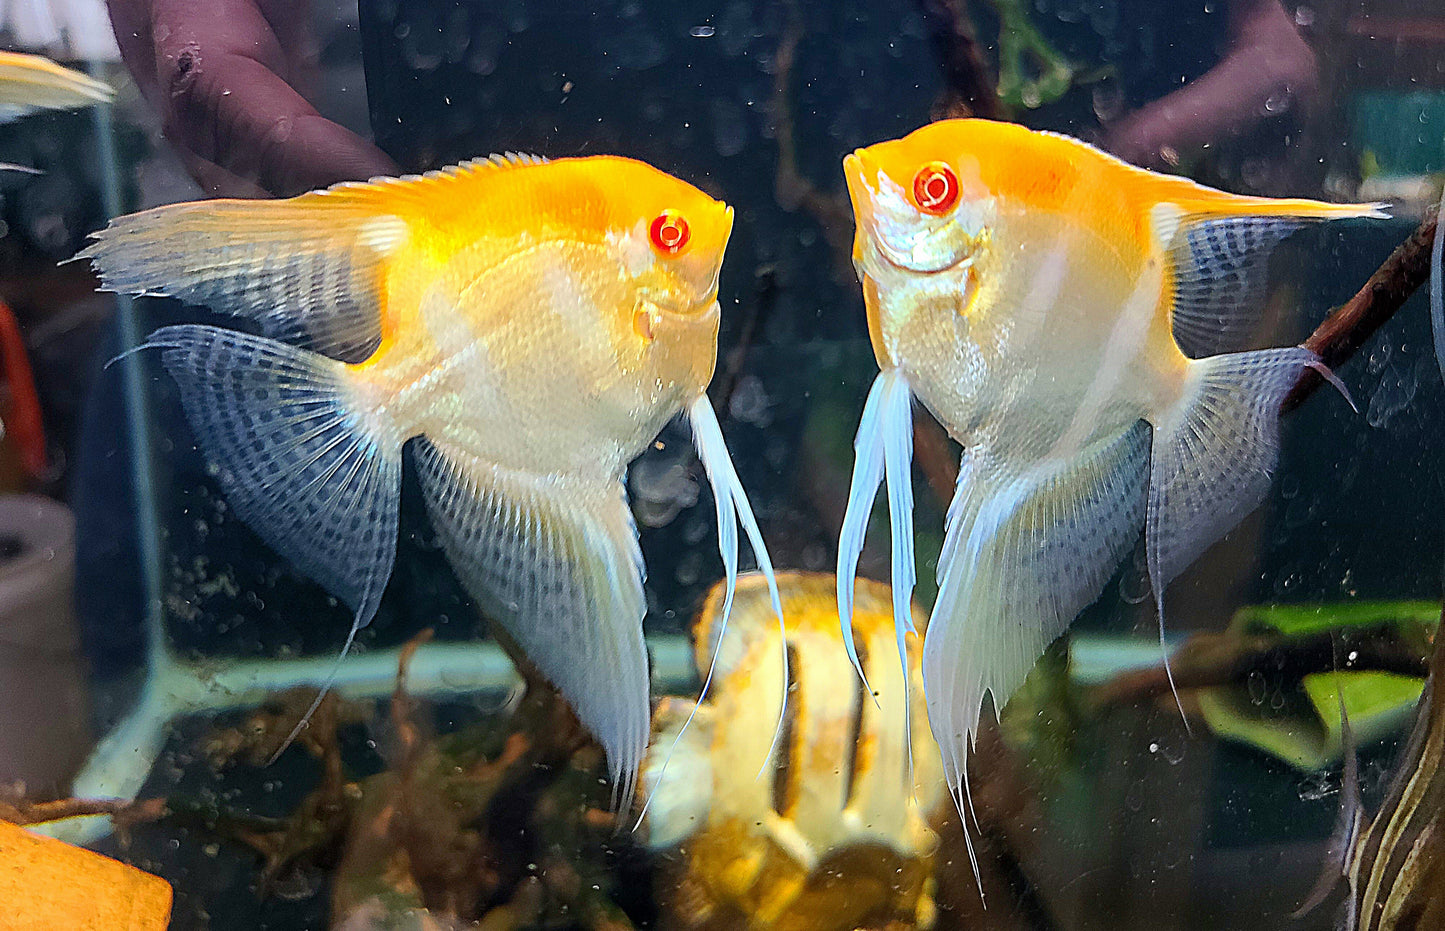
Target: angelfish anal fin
[
  {"x": 555, "y": 561},
  {"x": 1213, "y": 454},
  {"x": 1025, "y": 551}
]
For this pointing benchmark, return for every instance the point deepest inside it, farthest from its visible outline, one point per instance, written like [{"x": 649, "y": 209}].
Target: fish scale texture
[
  {"x": 294, "y": 464},
  {"x": 555, "y": 561}
]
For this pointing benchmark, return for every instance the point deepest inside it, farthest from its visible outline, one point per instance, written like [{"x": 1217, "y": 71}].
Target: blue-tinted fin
[
  {"x": 315, "y": 478},
  {"x": 1214, "y": 452},
  {"x": 732, "y": 501},
  {"x": 554, "y": 560},
  {"x": 883, "y": 449},
  {"x": 1220, "y": 266},
  {"x": 1025, "y": 551},
  {"x": 309, "y": 270}
]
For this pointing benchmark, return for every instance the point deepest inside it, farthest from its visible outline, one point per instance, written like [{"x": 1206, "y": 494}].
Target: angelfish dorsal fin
[
  {"x": 509, "y": 160},
  {"x": 310, "y": 270}
]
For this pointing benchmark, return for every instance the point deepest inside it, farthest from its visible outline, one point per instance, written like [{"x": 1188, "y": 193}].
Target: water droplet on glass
[
  {"x": 749, "y": 402},
  {"x": 702, "y": 32},
  {"x": 689, "y": 568},
  {"x": 735, "y": 28},
  {"x": 1399, "y": 381},
  {"x": 662, "y": 486},
  {"x": 1134, "y": 585},
  {"x": 1108, "y": 101},
  {"x": 729, "y": 128},
  {"x": 1254, "y": 682}
]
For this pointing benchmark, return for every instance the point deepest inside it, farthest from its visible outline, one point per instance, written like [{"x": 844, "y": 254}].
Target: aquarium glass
[{"x": 410, "y": 555}]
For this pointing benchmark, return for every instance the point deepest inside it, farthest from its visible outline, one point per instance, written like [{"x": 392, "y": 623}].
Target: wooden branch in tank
[
  {"x": 1210, "y": 660},
  {"x": 1346, "y": 329},
  {"x": 969, "y": 88}
]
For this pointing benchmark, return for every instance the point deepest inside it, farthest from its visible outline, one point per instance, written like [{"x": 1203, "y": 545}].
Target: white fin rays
[
  {"x": 1221, "y": 268},
  {"x": 314, "y": 479},
  {"x": 1220, "y": 263},
  {"x": 732, "y": 508},
  {"x": 555, "y": 561},
  {"x": 883, "y": 450},
  {"x": 308, "y": 270},
  {"x": 1214, "y": 453},
  {"x": 1025, "y": 551},
  {"x": 1212, "y": 458}
]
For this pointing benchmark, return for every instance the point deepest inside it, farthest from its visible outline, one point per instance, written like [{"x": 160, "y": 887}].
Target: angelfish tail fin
[
  {"x": 1214, "y": 452},
  {"x": 300, "y": 460},
  {"x": 314, "y": 476}
]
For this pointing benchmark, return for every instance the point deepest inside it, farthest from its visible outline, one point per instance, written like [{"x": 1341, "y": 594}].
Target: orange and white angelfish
[
  {"x": 531, "y": 324},
  {"x": 1073, "y": 321}
]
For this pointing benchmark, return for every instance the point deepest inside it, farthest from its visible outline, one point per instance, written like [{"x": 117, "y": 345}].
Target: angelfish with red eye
[
  {"x": 935, "y": 188},
  {"x": 669, "y": 232},
  {"x": 506, "y": 343},
  {"x": 1080, "y": 326}
]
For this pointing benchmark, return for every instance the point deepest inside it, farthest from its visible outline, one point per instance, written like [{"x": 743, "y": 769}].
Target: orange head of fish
[
  {"x": 669, "y": 238},
  {"x": 923, "y": 214}
]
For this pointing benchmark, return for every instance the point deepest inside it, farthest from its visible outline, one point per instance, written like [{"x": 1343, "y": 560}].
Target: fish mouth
[
  {"x": 727, "y": 234},
  {"x": 858, "y": 168}
]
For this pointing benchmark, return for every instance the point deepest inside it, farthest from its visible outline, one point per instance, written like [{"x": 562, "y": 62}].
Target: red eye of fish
[
  {"x": 669, "y": 232},
  {"x": 935, "y": 188}
]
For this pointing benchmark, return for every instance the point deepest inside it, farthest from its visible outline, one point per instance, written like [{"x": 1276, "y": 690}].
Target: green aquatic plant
[
  {"x": 1296, "y": 718},
  {"x": 1031, "y": 72}
]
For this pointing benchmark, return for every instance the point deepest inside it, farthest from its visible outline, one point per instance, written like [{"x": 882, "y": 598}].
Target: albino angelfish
[
  {"x": 531, "y": 324},
  {"x": 1076, "y": 324}
]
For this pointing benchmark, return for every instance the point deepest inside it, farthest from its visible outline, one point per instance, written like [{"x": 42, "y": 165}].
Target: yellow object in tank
[{"x": 46, "y": 884}]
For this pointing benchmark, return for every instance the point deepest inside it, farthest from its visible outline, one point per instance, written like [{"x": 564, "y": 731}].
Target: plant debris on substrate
[{"x": 503, "y": 823}]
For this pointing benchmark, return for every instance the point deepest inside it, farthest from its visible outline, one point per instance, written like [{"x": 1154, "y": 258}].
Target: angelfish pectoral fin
[
  {"x": 732, "y": 507},
  {"x": 1025, "y": 551},
  {"x": 555, "y": 561},
  {"x": 883, "y": 449}
]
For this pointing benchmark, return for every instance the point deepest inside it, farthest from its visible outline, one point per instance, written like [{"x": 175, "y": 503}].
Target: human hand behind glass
[
  {"x": 225, "y": 74},
  {"x": 1268, "y": 66}
]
